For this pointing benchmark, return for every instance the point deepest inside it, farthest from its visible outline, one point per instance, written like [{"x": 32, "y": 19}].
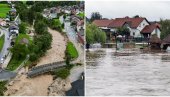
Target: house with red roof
[{"x": 138, "y": 26}]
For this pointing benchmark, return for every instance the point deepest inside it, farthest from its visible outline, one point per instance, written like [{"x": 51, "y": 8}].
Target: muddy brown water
[{"x": 127, "y": 72}]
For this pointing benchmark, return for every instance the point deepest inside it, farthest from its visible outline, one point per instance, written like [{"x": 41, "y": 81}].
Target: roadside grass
[
  {"x": 2, "y": 88},
  {"x": 4, "y": 9},
  {"x": 14, "y": 64},
  {"x": 71, "y": 50},
  {"x": 2, "y": 39}
]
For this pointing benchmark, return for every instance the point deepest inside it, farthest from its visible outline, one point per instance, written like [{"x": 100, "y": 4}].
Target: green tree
[
  {"x": 94, "y": 34},
  {"x": 22, "y": 28},
  {"x": 165, "y": 28},
  {"x": 89, "y": 35},
  {"x": 23, "y": 15},
  {"x": 38, "y": 16},
  {"x": 56, "y": 24},
  {"x": 19, "y": 51},
  {"x": 40, "y": 27},
  {"x": 43, "y": 41},
  {"x": 95, "y": 16},
  {"x": 30, "y": 2},
  {"x": 123, "y": 31},
  {"x": 31, "y": 16}
]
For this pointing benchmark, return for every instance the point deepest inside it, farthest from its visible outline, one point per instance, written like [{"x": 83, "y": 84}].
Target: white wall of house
[
  {"x": 103, "y": 28},
  {"x": 142, "y": 25},
  {"x": 157, "y": 32},
  {"x": 113, "y": 29},
  {"x": 135, "y": 33}
]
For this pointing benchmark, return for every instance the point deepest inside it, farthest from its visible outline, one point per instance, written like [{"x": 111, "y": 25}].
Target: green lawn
[
  {"x": 4, "y": 9},
  {"x": 21, "y": 36},
  {"x": 2, "y": 39},
  {"x": 71, "y": 50},
  {"x": 14, "y": 64}
]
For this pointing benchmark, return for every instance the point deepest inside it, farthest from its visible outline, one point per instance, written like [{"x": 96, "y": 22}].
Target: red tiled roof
[
  {"x": 149, "y": 28},
  {"x": 119, "y": 22},
  {"x": 102, "y": 23}
]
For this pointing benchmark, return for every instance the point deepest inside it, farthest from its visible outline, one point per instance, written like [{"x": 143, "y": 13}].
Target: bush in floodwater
[{"x": 62, "y": 73}]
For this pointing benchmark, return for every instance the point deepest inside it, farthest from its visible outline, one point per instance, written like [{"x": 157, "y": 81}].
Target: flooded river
[{"x": 127, "y": 72}]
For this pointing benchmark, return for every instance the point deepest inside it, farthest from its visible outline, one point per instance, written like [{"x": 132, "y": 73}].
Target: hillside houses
[
  {"x": 50, "y": 13},
  {"x": 139, "y": 27},
  {"x": 2, "y": 22}
]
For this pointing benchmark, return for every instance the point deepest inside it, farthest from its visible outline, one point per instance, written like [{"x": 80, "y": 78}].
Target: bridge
[{"x": 45, "y": 68}]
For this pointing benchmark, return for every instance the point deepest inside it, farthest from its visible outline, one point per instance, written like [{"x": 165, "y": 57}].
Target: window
[{"x": 133, "y": 33}]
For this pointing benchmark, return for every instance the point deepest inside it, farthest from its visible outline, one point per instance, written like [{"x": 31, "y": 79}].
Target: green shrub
[
  {"x": 22, "y": 28},
  {"x": 62, "y": 73},
  {"x": 2, "y": 88},
  {"x": 33, "y": 57},
  {"x": 62, "y": 25}
]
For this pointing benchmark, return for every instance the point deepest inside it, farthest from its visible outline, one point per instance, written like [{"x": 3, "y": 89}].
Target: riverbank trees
[
  {"x": 94, "y": 34},
  {"x": 95, "y": 16},
  {"x": 165, "y": 28}
]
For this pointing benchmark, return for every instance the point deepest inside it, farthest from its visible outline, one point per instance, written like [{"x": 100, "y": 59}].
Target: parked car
[{"x": 2, "y": 60}]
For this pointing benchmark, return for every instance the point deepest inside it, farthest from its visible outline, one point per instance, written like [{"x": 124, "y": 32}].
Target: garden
[{"x": 4, "y": 9}]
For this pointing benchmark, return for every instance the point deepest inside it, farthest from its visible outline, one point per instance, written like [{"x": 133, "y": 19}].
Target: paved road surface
[
  {"x": 74, "y": 39},
  {"x": 6, "y": 43},
  {"x": 6, "y": 75}
]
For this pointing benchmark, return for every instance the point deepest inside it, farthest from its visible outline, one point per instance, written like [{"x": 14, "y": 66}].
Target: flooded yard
[{"x": 127, "y": 72}]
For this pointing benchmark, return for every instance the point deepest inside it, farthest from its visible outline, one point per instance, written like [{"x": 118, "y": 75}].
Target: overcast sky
[{"x": 152, "y": 10}]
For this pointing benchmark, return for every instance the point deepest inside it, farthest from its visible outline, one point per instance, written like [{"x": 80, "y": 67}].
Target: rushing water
[{"x": 127, "y": 72}]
